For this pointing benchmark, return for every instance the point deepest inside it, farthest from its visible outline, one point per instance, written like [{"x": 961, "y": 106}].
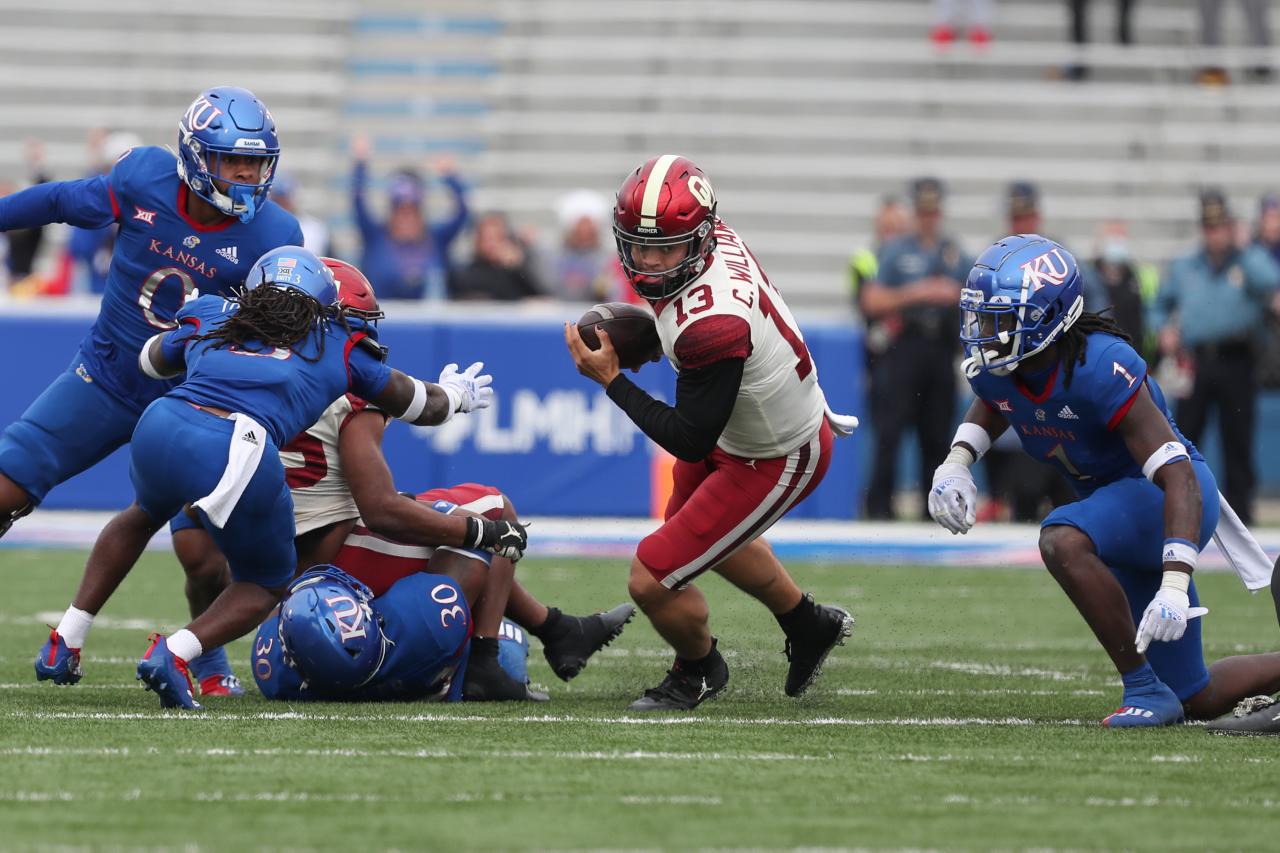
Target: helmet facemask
[
  {"x": 240, "y": 199},
  {"x": 998, "y": 334},
  {"x": 660, "y": 284}
]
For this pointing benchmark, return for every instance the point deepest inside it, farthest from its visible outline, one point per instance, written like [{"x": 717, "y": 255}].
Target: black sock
[
  {"x": 700, "y": 665},
  {"x": 797, "y": 617},
  {"x": 483, "y": 648},
  {"x": 550, "y": 626}
]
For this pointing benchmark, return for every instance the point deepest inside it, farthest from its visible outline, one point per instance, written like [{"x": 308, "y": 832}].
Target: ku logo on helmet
[
  {"x": 201, "y": 114},
  {"x": 1049, "y": 268},
  {"x": 350, "y": 617}
]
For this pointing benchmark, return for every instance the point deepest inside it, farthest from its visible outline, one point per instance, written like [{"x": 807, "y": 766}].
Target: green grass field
[{"x": 962, "y": 714}]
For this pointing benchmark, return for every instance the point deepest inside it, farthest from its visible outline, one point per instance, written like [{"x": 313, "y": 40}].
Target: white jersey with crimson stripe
[
  {"x": 313, "y": 468},
  {"x": 732, "y": 310}
]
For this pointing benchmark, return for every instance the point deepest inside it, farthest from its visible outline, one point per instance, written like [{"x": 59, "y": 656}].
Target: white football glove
[
  {"x": 1165, "y": 619},
  {"x": 468, "y": 390},
  {"x": 842, "y": 425},
  {"x": 953, "y": 499}
]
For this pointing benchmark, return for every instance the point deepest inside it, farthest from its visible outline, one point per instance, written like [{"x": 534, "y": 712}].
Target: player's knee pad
[{"x": 7, "y": 519}]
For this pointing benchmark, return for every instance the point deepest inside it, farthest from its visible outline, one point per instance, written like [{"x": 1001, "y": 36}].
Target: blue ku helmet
[
  {"x": 329, "y": 631},
  {"x": 295, "y": 268},
  {"x": 1022, "y": 294},
  {"x": 227, "y": 121}
]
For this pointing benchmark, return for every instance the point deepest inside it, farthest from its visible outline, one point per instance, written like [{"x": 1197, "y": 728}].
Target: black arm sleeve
[{"x": 704, "y": 401}]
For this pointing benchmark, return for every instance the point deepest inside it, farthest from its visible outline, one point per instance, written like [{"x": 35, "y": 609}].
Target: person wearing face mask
[{"x": 1115, "y": 280}]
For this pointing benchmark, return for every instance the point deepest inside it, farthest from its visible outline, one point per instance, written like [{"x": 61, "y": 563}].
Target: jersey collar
[
  {"x": 183, "y": 193},
  {"x": 1048, "y": 386}
]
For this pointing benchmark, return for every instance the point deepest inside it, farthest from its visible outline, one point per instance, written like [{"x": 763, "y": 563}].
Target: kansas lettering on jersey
[
  {"x": 313, "y": 468},
  {"x": 1074, "y": 428},
  {"x": 161, "y": 258},
  {"x": 284, "y": 390},
  {"x": 730, "y": 311}
]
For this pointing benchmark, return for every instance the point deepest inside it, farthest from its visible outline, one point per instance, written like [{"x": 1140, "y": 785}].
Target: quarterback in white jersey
[
  {"x": 779, "y": 405},
  {"x": 750, "y": 428}
]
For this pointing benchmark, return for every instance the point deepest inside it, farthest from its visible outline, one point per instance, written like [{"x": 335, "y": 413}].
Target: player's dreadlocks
[
  {"x": 1073, "y": 342},
  {"x": 271, "y": 317}
]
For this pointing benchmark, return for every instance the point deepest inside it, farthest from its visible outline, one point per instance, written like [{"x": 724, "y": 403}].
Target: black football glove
[{"x": 503, "y": 538}]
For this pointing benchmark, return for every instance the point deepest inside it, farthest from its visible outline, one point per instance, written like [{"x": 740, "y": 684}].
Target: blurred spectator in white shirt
[{"x": 581, "y": 264}]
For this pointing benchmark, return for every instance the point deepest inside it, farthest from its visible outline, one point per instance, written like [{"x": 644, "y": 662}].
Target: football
[{"x": 630, "y": 328}]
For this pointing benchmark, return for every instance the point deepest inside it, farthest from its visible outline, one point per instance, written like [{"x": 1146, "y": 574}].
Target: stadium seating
[{"x": 804, "y": 112}]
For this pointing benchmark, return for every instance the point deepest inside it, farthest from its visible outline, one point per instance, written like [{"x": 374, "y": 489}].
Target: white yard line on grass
[
  {"x": 999, "y": 691},
  {"x": 285, "y": 716},
  {"x": 236, "y": 752}
]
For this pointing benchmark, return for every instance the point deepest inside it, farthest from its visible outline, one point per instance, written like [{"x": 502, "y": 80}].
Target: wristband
[
  {"x": 1170, "y": 451},
  {"x": 455, "y": 399},
  {"x": 417, "y": 404},
  {"x": 1179, "y": 551},
  {"x": 960, "y": 455},
  {"x": 144, "y": 360},
  {"x": 475, "y": 532},
  {"x": 974, "y": 436}
]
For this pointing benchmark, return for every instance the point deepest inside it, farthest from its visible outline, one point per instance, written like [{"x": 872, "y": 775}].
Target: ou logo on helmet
[
  {"x": 700, "y": 187},
  {"x": 1049, "y": 268}
]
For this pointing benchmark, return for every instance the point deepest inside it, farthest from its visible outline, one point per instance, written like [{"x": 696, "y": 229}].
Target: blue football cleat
[
  {"x": 1151, "y": 705},
  {"x": 166, "y": 673},
  {"x": 58, "y": 661}
]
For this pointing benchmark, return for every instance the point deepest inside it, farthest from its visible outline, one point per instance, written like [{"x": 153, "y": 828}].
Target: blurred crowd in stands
[
  {"x": 408, "y": 249},
  {"x": 1206, "y": 325}
]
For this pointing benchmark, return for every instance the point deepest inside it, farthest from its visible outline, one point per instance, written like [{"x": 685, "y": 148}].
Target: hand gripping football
[{"x": 630, "y": 328}]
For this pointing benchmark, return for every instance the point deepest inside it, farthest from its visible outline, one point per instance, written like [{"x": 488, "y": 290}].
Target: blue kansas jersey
[
  {"x": 161, "y": 258},
  {"x": 1074, "y": 428},
  {"x": 284, "y": 390},
  {"x": 428, "y": 624}
]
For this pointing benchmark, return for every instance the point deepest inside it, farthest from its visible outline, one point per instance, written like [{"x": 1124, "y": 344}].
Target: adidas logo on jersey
[
  {"x": 1067, "y": 415},
  {"x": 250, "y": 437},
  {"x": 229, "y": 252}
]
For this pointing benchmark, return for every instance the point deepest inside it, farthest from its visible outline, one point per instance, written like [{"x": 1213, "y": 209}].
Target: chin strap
[
  {"x": 976, "y": 363},
  {"x": 7, "y": 521}
]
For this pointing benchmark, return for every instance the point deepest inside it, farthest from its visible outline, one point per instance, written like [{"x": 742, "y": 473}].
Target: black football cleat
[
  {"x": 487, "y": 681},
  {"x": 1257, "y": 715},
  {"x": 808, "y": 648},
  {"x": 579, "y": 637},
  {"x": 684, "y": 690}
]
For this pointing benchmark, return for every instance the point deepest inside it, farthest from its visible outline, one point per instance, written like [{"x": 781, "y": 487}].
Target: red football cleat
[{"x": 221, "y": 685}]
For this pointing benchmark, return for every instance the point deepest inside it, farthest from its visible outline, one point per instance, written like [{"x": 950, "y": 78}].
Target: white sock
[
  {"x": 74, "y": 627},
  {"x": 185, "y": 645}
]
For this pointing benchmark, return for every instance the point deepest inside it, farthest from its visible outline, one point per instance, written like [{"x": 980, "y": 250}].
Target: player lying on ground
[
  {"x": 421, "y": 600},
  {"x": 332, "y": 639},
  {"x": 260, "y": 367},
  {"x": 1080, "y": 398},
  {"x": 749, "y": 429},
  {"x": 343, "y": 491},
  {"x": 184, "y": 223}
]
